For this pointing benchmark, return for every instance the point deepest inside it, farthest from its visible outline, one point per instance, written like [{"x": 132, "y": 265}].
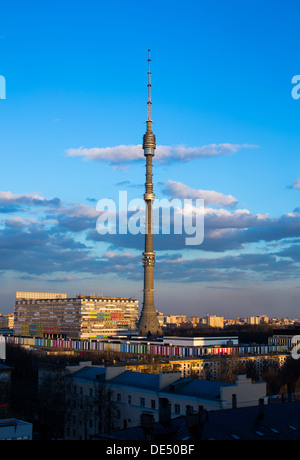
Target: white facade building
[
  {"x": 201, "y": 341},
  {"x": 132, "y": 394},
  {"x": 2, "y": 347}
]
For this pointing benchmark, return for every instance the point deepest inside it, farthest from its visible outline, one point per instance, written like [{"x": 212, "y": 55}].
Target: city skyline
[{"x": 227, "y": 129}]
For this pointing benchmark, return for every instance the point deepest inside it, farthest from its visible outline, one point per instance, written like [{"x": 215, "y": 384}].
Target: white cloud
[
  {"x": 78, "y": 210},
  {"x": 297, "y": 184},
  {"x": 118, "y": 154},
  {"x": 32, "y": 199},
  {"x": 183, "y": 153},
  {"x": 182, "y": 191},
  {"x": 19, "y": 222},
  {"x": 127, "y": 153},
  {"x": 113, "y": 255}
]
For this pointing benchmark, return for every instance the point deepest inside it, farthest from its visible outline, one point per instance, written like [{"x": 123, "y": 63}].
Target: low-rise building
[
  {"x": 5, "y": 386},
  {"x": 271, "y": 422},
  {"x": 13, "y": 429},
  {"x": 117, "y": 397},
  {"x": 285, "y": 337},
  {"x": 228, "y": 341},
  {"x": 211, "y": 367}
]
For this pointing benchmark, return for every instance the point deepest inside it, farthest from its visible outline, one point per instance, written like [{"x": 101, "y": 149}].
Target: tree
[
  {"x": 52, "y": 405},
  {"x": 105, "y": 409}
]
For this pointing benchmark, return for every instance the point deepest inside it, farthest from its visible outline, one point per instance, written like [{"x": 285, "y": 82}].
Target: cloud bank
[{"x": 60, "y": 239}]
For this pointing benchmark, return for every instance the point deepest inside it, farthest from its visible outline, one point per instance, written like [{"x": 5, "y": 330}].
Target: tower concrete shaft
[{"x": 148, "y": 322}]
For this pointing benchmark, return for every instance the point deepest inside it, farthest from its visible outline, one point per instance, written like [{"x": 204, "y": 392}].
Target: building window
[
  {"x": 129, "y": 399},
  {"x": 118, "y": 397},
  {"x": 177, "y": 409},
  {"x": 152, "y": 403},
  {"x": 143, "y": 402}
]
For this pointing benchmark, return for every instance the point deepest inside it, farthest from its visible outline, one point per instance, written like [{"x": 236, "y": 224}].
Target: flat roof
[
  {"x": 27, "y": 295},
  {"x": 12, "y": 422},
  {"x": 59, "y": 296}
]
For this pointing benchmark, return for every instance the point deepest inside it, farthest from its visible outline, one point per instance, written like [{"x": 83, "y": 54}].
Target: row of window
[{"x": 143, "y": 402}]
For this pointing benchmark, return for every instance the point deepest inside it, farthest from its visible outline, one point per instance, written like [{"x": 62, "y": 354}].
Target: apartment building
[
  {"x": 7, "y": 321},
  {"x": 269, "y": 422},
  {"x": 82, "y": 317},
  {"x": 99, "y": 396},
  {"x": 215, "y": 321},
  {"x": 286, "y": 337},
  {"x": 211, "y": 367},
  {"x": 175, "y": 320}
]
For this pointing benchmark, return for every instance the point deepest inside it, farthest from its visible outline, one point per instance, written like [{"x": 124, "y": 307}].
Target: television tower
[{"x": 148, "y": 322}]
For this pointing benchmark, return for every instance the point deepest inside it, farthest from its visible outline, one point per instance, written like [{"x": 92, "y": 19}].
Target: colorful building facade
[{"x": 81, "y": 318}]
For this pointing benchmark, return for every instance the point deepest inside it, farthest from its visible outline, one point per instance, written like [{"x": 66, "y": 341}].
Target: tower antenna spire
[{"x": 149, "y": 87}]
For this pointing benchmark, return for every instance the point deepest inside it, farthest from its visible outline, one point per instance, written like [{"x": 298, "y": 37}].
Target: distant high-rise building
[
  {"x": 148, "y": 322},
  {"x": 253, "y": 320},
  {"x": 7, "y": 321},
  {"x": 81, "y": 318},
  {"x": 195, "y": 320},
  {"x": 215, "y": 321}
]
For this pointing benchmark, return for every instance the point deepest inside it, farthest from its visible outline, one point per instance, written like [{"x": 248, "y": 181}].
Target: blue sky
[{"x": 76, "y": 76}]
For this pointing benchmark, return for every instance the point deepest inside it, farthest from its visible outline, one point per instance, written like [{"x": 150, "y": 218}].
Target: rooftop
[
  {"x": 138, "y": 380},
  {"x": 12, "y": 422},
  {"x": 118, "y": 375},
  {"x": 89, "y": 373},
  {"x": 279, "y": 421},
  {"x": 208, "y": 389}
]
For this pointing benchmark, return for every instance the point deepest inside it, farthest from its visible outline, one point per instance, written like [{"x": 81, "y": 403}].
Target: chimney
[
  {"x": 202, "y": 416},
  {"x": 164, "y": 410},
  {"x": 147, "y": 420},
  {"x": 261, "y": 409},
  {"x": 168, "y": 378},
  {"x": 234, "y": 401},
  {"x": 192, "y": 418},
  {"x": 113, "y": 371}
]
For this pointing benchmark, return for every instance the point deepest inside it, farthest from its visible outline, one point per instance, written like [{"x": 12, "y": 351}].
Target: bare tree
[
  {"x": 106, "y": 411},
  {"x": 52, "y": 405}
]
